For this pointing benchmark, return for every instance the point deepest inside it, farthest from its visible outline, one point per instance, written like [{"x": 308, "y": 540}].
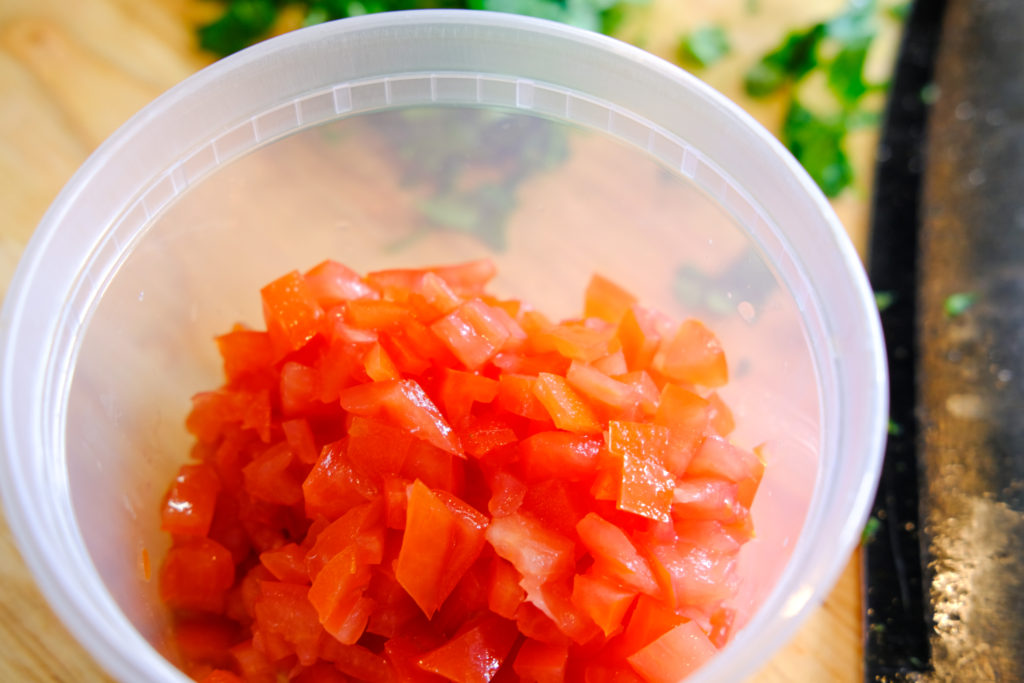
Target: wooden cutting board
[{"x": 71, "y": 72}]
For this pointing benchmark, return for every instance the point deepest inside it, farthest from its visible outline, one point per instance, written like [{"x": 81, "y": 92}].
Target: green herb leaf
[
  {"x": 846, "y": 74},
  {"x": 884, "y": 300},
  {"x": 870, "y": 530},
  {"x": 957, "y": 304},
  {"x": 705, "y": 46},
  {"x": 895, "y": 428},
  {"x": 818, "y": 144},
  {"x": 243, "y": 22},
  {"x": 791, "y": 61}
]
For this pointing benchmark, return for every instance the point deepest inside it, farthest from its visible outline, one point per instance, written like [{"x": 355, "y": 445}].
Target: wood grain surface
[{"x": 71, "y": 72}]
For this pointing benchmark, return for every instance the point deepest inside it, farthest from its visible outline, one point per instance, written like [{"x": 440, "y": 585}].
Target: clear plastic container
[{"x": 408, "y": 139}]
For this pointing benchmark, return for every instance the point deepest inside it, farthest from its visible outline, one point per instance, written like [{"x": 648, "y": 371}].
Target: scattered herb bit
[
  {"x": 817, "y": 143},
  {"x": 245, "y": 22},
  {"x": 705, "y": 46},
  {"x": 895, "y": 428},
  {"x": 957, "y": 304},
  {"x": 884, "y": 300},
  {"x": 901, "y": 11},
  {"x": 877, "y": 628},
  {"x": 869, "y": 533},
  {"x": 929, "y": 94},
  {"x": 837, "y": 49}
]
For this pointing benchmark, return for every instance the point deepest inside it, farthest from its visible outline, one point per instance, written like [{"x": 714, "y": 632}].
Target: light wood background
[{"x": 71, "y": 71}]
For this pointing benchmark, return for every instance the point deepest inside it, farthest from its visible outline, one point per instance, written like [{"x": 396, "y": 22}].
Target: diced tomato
[
  {"x": 602, "y": 390},
  {"x": 473, "y": 332},
  {"x": 245, "y": 353},
  {"x": 283, "y": 610},
  {"x": 442, "y": 539},
  {"x": 693, "y": 355},
  {"x": 534, "y": 550},
  {"x": 504, "y": 592},
  {"x": 554, "y": 599},
  {"x": 686, "y": 416},
  {"x": 541, "y": 662},
  {"x": 603, "y": 600},
  {"x": 639, "y": 334},
  {"x": 291, "y": 313},
  {"x": 559, "y": 454},
  {"x": 404, "y": 404},
  {"x": 406, "y": 478},
  {"x": 206, "y": 639},
  {"x": 706, "y": 498},
  {"x": 674, "y": 655},
  {"x": 720, "y": 415},
  {"x": 476, "y": 654},
  {"x": 379, "y": 366},
  {"x": 615, "y": 555},
  {"x": 564, "y": 405},
  {"x": 646, "y": 485},
  {"x": 516, "y": 395},
  {"x": 337, "y": 596},
  {"x": 334, "y": 486},
  {"x": 719, "y": 458},
  {"x": 287, "y": 563},
  {"x": 189, "y": 506},
  {"x": 196, "y": 575},
  {"x": 606, "y": 300},
  {"x": 301, "y": 440},
  {"x": 460, "y": 390},
  {"x": 270, "y": 477},
  {"x": 221, "y": 676},
  {"x": 332, "y": 283}
]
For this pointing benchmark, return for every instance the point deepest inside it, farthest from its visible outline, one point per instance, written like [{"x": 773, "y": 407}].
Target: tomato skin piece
[
  {"x": 534, "y": 550},
  {"x": 442, "y": 539},
  {"x": 606, "y": 300},
  {"x": 191, "y": 501},
  {"x": 615, "y": 555},
  {"x": 604, "y": 601},
  {"x": 291, "y": 313},
  {"x": 560, "y": 454},
  {"x": 196, "y": 575},
  {"x": 674, "y": 655},
  {"x": 564, "y": 405},
  {"x": 541, "y": 662},
  {"x": 476, "y": 654},
  {"x": 693, "y": 355},
  {"x": 404, "y": 404},
  {"x": 332, "y": 283},
  {"x": 647, "y": 486}
]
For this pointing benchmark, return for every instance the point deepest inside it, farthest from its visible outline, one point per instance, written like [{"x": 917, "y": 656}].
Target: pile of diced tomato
[{"x": 406, "y": 478}]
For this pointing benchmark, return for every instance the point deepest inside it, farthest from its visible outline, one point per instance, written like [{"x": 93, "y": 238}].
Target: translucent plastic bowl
[{"x": 409, "y": 139}]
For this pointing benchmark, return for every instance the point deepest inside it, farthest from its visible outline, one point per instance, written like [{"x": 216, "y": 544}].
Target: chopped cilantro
[
  {"x": 895, "y": 428},
  {"x": 817, "y": 143},
  {"x": 244, "y": 22},
  {"x": 836, "y": 48},
  {"x": 870, "y": 530},
  {"x": 705, "y": 46},
  {"x": 884, "y": 300},
  {"x": 957, "y": 304}
]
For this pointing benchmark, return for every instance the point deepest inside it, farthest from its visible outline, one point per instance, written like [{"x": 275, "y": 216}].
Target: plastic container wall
[{"x": 346, "y": 141}]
